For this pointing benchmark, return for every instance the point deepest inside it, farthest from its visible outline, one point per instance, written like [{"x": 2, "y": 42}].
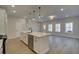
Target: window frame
[
  {"x": 51, "y": 27},
  {"x": 44, "y": 26},
  {"x": 67, "y": 30},
  {"x": 59, "y": 26}
]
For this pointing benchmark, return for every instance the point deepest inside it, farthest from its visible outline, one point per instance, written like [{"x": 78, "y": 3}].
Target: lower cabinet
[
  {"x": 24, "y": 38},
  {"x": 41, "y": 45},
  {"x": 38, "y": 44}
]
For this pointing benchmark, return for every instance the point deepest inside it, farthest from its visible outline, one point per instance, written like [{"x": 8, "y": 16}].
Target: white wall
[
  {"x": 17, "y": 25},
  {"x": 20, "y": 26},
  {"x": 3, "y": 21},
  {"x": 75, "y": 21},
  {"x": 34, "y": 25},
  {"x": 11, "y": 27}
]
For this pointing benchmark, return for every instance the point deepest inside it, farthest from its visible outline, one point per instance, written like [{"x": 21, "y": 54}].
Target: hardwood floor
[
  {"x": 15, "y": 46},
  {"x": 58, "y": 45}
]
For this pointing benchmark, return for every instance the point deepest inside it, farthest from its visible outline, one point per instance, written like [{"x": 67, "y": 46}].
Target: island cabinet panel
[
  {"x": 36, "y": 41},
  {"x": 24, "y": 38},
  {"x": 30, "y": 41},
  {"x": 41, "y": 45}
]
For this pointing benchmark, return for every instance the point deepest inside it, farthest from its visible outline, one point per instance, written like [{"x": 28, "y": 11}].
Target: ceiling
[{"x": 45, "y": 11}]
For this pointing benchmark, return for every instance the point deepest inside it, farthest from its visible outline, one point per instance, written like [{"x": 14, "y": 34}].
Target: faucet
[{"x": 30, "y": 29}]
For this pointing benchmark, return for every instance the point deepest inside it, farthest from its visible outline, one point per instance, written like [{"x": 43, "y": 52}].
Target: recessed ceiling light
[
  {"x": 12, "y": 5},
  {"x": 51, "y": 17},
  {"x": 62, "y": 9},
  {"x": 14, "y": 11}
]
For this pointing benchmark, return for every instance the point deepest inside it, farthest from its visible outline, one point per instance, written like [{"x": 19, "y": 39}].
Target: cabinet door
[
  {"x": 41, "y": 45},
  {"x": 24, "y": 38},
  {"x": 30, "y": 41}
]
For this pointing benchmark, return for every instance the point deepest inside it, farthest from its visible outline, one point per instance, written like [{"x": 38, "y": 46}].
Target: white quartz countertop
[{"x": 38, "y": 34}]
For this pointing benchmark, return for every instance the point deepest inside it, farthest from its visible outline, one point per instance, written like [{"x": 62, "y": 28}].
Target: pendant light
[
  {"x": 39, "y": 11},
  {"x": 33, "y": 14}
]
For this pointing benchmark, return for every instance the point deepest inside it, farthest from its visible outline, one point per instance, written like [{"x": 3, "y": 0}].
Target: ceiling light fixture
[
  {"x": 39, "y": 11},
  {"x": 12, "y": 5},
  {"x": 33, "y": 15},
  {"x": 51, "y": 17},
  {"x": 62, "y": 9}
]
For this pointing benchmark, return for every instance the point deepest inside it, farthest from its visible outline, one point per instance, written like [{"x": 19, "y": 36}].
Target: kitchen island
[{"x": 37, "y": 41}]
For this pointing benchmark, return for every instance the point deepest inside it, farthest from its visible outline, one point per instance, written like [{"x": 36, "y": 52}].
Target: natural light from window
[
  {"x": 68, "y": 27},
  {"x": 44, "y": 26},
  {"x": 57, "y": 28},
  {"x": 50, "y": 27}
]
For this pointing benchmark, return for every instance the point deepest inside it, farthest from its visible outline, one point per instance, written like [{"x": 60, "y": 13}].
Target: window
[
  {"x": 44, "y": 27},
  {"x": 50, "y": 27},
  {"x": 57, "y": 28},
  {"x": 68, "y": 27}
]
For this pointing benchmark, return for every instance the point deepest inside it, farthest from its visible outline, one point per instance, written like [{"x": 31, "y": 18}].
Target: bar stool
[{"x": 3, "y": 39}]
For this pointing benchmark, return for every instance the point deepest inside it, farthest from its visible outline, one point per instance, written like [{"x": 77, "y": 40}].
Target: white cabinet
[
  {"x": 41, "y": 45},
  {"x": 37, "y": 41},
  {"x": 24, "y": 38}
]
